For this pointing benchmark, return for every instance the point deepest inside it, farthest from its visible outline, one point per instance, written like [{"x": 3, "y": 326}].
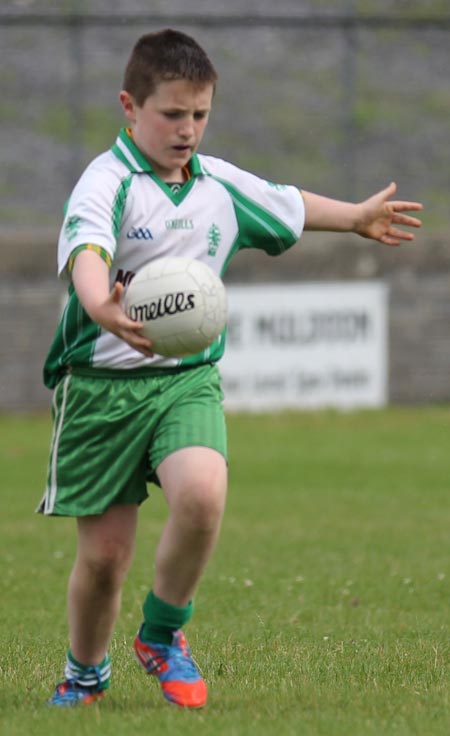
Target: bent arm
[{"x": 90, "y": 277}]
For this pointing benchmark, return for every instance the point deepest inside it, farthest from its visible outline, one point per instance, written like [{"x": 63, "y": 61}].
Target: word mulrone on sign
[
  {"x": 306, "y": 346},
  {"x": 308, "y": 327}
]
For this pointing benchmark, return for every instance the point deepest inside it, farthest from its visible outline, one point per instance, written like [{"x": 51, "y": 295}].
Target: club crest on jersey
[
  {"x": 139, "y": 233},
  {"x": 214, "y": 238},
  {"x": 72, "y": 226}
]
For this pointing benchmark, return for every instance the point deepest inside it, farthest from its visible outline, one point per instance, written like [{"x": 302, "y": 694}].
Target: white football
[{"x": 181, "y": 303}]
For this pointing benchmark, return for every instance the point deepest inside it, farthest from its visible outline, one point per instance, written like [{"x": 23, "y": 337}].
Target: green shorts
[{"x": 111, "y": 432}]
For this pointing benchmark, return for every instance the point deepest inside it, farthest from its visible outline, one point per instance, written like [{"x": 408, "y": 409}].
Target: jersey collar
[{"x": 126, "y": 150}]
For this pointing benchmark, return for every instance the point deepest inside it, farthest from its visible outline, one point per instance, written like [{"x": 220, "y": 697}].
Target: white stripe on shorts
[{"x": 50, "y": 493}]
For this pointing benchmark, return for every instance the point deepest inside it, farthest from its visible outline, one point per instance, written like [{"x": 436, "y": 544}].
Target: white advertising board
[{"x": 306, "y": 346}]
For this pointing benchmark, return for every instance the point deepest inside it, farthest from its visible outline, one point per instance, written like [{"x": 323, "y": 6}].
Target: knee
[
  {"x": 107, "y": 564},
  {"x": 201, "y": 504},
  {"x": 195, "y": 485}
]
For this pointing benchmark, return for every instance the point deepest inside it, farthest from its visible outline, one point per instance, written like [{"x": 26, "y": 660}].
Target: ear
[{"x": 128, "y": 105}]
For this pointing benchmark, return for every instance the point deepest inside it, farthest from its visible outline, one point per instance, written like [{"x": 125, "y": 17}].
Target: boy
[{"x": 124, "y": 416}]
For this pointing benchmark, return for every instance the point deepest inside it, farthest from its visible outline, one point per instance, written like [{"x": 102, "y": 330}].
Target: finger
[
  {"x": 143, "y": 350},
  {"x": 116, "y": 292},
  {"x": 398, "y": 235},
  {"x": 138, "y": 337},
  {"x": 390, "y": 190},
  {"x": 148, "y": 352},
  {"x": 133, "y": 325},
  {"x": 407, "y": 220},
  {"x": 388, "y": 240},
  {"x": 130, "y": 330},
  {"x": 138, "y": 342},
  {"x": 402, "y": 206}
]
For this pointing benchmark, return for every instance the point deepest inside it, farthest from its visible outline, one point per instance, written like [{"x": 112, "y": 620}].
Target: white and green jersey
[{"x": 123, "y": 210}]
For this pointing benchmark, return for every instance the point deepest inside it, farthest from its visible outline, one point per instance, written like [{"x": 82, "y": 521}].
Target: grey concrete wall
[
  {"x": 418, "y": 277},
  {"x": 420, "y": 338},
  {"x": 29, "y": 312}
]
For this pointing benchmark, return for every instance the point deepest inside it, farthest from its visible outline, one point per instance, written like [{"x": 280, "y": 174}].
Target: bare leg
[
  {"x": 105, "y": 552},
  {"x": 194, "y": 481}
]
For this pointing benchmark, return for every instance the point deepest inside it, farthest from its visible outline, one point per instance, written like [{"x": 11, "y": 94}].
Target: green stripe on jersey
[
  {"x": 177, "y": 196},
  {"x": 256, "y": 223},
  {"x": 211, "y": 355},
  {"x": 74, "y": 341},
  {"x": 119, "y": 204},
  {"x": 129, "y": 154},
  {"x": 127, "y": 151}
]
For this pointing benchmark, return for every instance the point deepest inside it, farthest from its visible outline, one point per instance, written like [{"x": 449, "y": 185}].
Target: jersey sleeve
[
  {"x": 271, "y": 216},
  {"x": 92, "y": 215}
]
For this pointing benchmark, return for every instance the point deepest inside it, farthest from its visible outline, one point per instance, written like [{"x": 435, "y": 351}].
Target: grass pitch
[{"x": 324, "y": 610}]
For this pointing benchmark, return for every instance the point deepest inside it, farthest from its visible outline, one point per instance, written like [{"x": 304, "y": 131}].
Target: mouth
[{"x": 182, "y": 149}]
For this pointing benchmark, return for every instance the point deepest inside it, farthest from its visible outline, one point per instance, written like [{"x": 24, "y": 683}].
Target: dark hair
[{"x": 164, "y": 56}]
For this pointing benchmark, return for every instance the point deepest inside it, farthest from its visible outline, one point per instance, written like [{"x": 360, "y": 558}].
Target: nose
[{"x": 186, "y": 128}]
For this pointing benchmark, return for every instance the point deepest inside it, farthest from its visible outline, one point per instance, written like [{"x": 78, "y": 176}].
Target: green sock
[{"x": 161, "y": 619}]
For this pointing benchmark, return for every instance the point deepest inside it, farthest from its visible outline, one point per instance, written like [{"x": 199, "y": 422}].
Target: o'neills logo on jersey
[
  {"x": 166, "y": 305},
  {"x": 180, "y": 224}
]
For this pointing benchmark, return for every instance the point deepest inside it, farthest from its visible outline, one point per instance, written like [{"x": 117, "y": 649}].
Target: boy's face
[{"x": 170, "y": 124}]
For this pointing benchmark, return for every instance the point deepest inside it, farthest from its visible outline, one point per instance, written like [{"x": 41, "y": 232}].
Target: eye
[
  {"x": 173, "y": 115},
  {"x": 200, "y": 115}
]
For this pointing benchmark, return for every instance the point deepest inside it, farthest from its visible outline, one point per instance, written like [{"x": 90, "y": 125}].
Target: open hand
[{"x": 379, "y": 217}]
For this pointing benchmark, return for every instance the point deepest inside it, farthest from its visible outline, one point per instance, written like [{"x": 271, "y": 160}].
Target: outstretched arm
[{"x": 377, "y": 218}]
